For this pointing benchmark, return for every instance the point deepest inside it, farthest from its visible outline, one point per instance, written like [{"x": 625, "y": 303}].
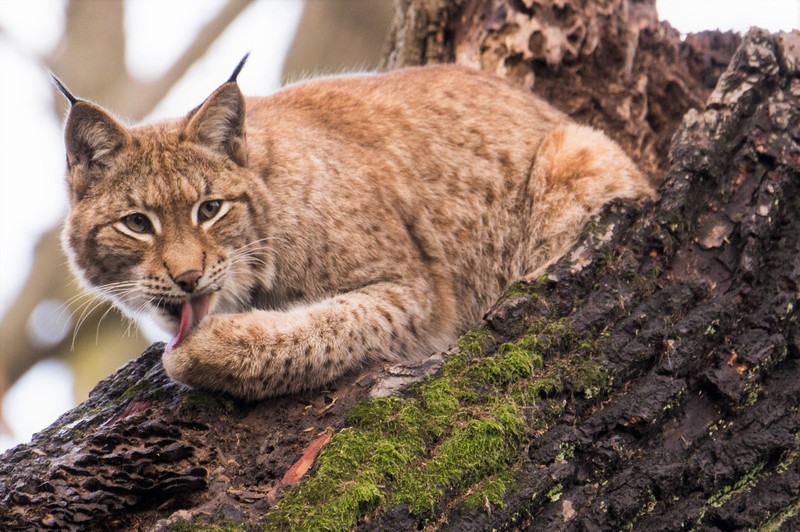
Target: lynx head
[{"x": 161, "y": 217}]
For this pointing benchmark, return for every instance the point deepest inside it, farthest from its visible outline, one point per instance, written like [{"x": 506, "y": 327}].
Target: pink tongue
[{"x": 192, "y": 312}]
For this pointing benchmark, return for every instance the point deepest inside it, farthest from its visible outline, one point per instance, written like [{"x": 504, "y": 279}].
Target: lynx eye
[
  {"x": 138, "y": 223},
  {"x": 208, "y": 209}
]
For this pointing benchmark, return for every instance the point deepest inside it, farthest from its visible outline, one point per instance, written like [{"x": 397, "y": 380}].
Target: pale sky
[{"x": 31, "y": 147}]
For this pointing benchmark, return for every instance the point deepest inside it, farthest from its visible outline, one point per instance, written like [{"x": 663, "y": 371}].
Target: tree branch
[{"x": 144, "y": 96}]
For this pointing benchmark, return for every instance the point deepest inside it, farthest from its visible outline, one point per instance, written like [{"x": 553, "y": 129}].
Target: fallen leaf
[{"x": 301, "y": 467}]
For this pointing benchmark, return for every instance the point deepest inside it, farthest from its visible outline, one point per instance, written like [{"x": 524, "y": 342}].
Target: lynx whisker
[
  {"x": 125, "y": 297},
  {"x": 139, "y": 311},
  {"x": 230, "y": 293},
  {"x": 109, "y": 291},
  {"x": 248, "y": 260},
  {"x": 100, "y": 322},
  {"x": 88, "y": 310},
  {"x": 104, "y": 290},
  {"x": 255, "y": 242},
  {"x": 122, "y": 291},
  {"x": 248, "y": 252}
]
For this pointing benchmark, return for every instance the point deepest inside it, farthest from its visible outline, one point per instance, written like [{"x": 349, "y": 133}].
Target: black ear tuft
[
  {"x": 219, "y": 123},
  {"x": 64, "y": 90},
  {"x": 238, "y": 68}
]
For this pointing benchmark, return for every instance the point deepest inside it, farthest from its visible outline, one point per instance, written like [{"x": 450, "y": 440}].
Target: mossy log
[{"x": 648, "y": 380}]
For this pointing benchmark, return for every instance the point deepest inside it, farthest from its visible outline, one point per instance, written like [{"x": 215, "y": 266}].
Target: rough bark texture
[
  {"x": 650, "y": 380},
  {"x": 608, "y": 63}
]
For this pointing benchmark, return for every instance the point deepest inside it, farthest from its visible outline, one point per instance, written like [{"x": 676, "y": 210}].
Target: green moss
[
  {"x": 724, "y": 495},
  {"x": 589, "y": 378},
  {"x": 473, "y": 343},
  {"x": 646, "y": 508},
  {"x": 555, "y": 492},
  {"x": 194, "y": 401},
  {"x": 577, "y": 373},
  {"x": 442, "y": 400},
  {"x": 513, "y": 361},
  {"x": 751, "y": 393},
  {"x": 528, "y": 288},
  {"x": 387, "y": 436},
  {"x": 478, "y": 448},
  {"x": 384, "y": 437},
  {"x": 545, "y": 386},
  {"x": 552, "y": 331},
  {"x": 595, "y": 228},
  {"x": 490, "y": 492},
  {"x": 134, "y": 390},
  {"x": 712, "y": 327},
  {"x": 375, "y": 413},
  {"x": 789, "y": 457},
  {"x": 521, "y": 289},
  {"x": 556, "y": 408},
  {"x": 567, "y": 452},
  {"x": 743, "y": 484},
  {"x": 334, "y": 496},
  {"x": 456, "y": 435},
  {"x": 776, "y": 522}
]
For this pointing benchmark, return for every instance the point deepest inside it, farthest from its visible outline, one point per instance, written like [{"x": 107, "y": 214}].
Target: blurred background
[{"x": 144, "y": 60}]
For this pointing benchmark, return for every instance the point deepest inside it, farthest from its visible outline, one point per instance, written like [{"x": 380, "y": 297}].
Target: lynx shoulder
[{"x": 285, "y": 240}]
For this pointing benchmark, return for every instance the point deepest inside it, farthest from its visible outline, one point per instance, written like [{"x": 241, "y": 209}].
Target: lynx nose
[{"x": 188, "y": 280}]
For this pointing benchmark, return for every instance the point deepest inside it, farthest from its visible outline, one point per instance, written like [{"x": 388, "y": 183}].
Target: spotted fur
[{"x": 371, "y": 217}]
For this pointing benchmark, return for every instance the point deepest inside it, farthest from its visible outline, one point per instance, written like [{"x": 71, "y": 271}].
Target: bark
[{"x": 648, "y": 381}]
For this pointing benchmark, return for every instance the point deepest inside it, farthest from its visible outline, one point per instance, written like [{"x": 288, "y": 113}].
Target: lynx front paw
[
  {"x": 250, "y": 356},
  {"x": 262, "y": 354},
  {"x": 206, "y": 358}
]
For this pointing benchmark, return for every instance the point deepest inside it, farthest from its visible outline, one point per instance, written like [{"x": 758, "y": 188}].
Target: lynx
[{"x": 285, "y": 240}]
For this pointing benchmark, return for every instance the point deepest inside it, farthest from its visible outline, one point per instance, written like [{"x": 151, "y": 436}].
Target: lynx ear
[
  {"x": 219, "y": 122},
  {"x": 92, "y": 136}
]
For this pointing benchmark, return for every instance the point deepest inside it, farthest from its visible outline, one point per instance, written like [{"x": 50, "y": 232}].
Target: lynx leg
[
  {"x": 265, "y": 353},
  {"x": 577, "y": 170}
]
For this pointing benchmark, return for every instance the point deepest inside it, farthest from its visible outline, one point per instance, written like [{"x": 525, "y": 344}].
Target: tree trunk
[{"x": 649, "y": 380}]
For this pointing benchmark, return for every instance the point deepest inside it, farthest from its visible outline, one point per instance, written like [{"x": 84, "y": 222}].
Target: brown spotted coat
[{"x": 366, "y": 217}]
